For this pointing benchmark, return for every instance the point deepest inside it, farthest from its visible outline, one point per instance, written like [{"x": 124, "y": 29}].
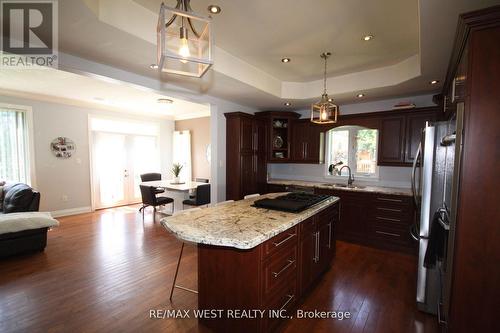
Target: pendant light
[
  {"x": 324, "y": 111},
  {"x": 184, "y": 40}
]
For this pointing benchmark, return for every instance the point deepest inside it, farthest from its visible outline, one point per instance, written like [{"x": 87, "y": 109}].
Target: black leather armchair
[{"x": 19, "y": 198}]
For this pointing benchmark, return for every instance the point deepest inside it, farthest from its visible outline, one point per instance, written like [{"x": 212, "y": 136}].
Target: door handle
[
  {"x": 413, "y": 174},
  {"x": 330, "y": 235}
]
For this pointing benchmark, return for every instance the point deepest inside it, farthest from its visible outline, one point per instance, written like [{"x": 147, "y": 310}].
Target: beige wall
[{"x": 200, "y": 139}]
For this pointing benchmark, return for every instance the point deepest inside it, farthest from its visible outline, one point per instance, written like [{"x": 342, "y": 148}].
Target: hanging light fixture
[
  {"x": 184, "y": 41},
  {"x": 324, "y": 111}
]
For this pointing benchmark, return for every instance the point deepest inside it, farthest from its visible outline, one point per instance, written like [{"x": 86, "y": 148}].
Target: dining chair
[
  {"x": 149, "y": 198},
  {"x": 202, "y": 196},
  {"x": 149, "y": 177},
  {"x": 248, "y": 196},
  {"x": 202, "y": 180},
  {"x": 223, "y": 203},
  {"x": 182, "y": 212}
]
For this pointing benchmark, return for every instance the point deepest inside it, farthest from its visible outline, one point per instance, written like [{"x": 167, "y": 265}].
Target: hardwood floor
[{"x": 105, "y": 271}]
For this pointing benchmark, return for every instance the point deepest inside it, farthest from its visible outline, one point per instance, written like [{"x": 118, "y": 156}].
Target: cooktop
[{"x": 292, "y": 202}]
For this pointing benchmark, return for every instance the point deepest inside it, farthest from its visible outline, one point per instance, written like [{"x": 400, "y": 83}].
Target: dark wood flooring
[{"x": 105, "y": 271}]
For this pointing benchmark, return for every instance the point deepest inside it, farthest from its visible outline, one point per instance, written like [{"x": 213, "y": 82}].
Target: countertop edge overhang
[{"x": 238, "y": 224}]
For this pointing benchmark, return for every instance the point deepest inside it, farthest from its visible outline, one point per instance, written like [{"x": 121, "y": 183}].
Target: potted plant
[{"x": 176, "y": 170}]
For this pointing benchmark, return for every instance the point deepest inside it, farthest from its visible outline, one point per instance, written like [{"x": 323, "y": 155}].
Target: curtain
[
  {"x": 182, "y": 153},
  {"x": 13, "y": 146}
]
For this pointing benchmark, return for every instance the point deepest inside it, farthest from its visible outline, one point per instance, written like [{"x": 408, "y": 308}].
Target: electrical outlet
[{"x": 64, "y": 198}]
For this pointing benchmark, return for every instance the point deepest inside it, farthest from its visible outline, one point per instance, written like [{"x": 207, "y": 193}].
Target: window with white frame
[
  {"x": 353, "y": 146},
  {"x": 14, "y": 145}
]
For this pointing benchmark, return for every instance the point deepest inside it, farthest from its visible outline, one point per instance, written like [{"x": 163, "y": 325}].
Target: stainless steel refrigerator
[{"x": 435, "y": 184}]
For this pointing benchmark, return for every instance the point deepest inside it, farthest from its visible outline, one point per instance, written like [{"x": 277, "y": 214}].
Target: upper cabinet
[
  {"x": 400, "y": 135},
  {"x": 279, "y": 126},
  {"x": 307, "y": 142},
  {"x": 391, "y": 141}
]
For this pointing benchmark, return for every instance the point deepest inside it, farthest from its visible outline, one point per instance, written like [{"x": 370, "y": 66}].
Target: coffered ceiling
[{"x": 411, "y": 46}]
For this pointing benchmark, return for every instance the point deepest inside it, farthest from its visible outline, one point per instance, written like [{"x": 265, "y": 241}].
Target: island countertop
[{"x": 237, "y": 224}]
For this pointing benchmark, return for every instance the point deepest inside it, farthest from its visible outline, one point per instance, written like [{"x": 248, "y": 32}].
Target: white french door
[{"x": 118, "y": 161}]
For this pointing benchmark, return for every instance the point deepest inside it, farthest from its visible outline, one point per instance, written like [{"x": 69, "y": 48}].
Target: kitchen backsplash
[{"x": 388, "y": 176}]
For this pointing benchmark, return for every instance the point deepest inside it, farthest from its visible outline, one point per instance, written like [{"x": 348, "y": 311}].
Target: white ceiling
[
  {"x": 49, "y": 83},
  {"x": 412, "y": 45},
  {"x": 261, "y": 32}
]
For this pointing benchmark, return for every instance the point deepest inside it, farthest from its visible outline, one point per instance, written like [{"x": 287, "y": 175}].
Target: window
[
  {"x": 353, "y": 146},
  {"x": 14, "y": 145}
]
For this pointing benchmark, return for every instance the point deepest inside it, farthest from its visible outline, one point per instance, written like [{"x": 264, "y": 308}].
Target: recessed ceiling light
[
  {"x": 434, "y": 82},
  {"x": 288, "y": 103},
  {"x": 214, "y": 9},
  {"x": 285, "y": 60},
  {"x": 367, "y": 38},
  {"x": 330, "y": 100},
  {"x": 360, "y": 95},
  {"x": 165, "y": 101},
  {"x": 153, "y": 66}
]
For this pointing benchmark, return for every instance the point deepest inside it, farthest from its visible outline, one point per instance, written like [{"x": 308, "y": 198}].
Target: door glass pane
[
  {"x": 339, "y": 147},
  {"x": 110, "y": 166},
  {"x": 144, "y": 159},
  {"x": 366, "y": 151}
]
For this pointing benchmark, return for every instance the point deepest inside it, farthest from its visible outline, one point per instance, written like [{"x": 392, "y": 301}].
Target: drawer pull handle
[
  {"x": 387, "y": 233},
  {"x": 290, "y": 297},
  {"x": 390, "y": 209},
  {"x": 284, "y": 240},
  {"x": 290, "y": 263},
  {"x": 392, "y": 200},
  {"x": 388, "y": 219}
]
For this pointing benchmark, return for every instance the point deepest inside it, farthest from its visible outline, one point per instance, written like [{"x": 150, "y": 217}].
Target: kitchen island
[{"x": 252, "y": 260}]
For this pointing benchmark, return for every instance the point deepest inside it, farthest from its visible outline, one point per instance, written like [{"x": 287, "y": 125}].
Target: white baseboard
[{"x": 71, "y": 211}]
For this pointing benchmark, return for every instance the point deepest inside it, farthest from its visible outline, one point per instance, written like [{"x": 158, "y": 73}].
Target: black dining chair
[
  {"x": 201, "y": 180},
  {"x": 149, "y": 177},
  {"x": 202, "y": 196},
  {"x": 149, "y": 198}
]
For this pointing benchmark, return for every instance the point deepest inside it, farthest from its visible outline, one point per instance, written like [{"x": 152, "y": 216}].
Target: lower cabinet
[
  {"x": 377, "y": 220},
  {"x": 271, "y": 277}
]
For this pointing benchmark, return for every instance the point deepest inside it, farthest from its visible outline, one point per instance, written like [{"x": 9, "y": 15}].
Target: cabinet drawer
[
  {"x": 392, "y": 201},
  {"x": 280, "y": 268},
  {"x": 286, "y": 239},
  {"x": 282, "y": 299},
  {"x": 391, "y": 233},
  {"x": 402, "y": 220}
]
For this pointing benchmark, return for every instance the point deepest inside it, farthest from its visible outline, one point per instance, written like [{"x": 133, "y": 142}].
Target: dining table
[{"x": 175, "y": 190}]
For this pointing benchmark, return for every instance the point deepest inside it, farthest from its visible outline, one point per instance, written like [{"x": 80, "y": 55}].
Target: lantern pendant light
[
  {"x": 324, "y": 111},
  {"x": 184, "y": 41}
]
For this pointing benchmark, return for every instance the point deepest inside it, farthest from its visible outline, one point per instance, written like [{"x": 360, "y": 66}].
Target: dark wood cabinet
[
  {"x": 246, "y": 143},
  {"x": 391, "y": 141},
  {"x": 415, "y": 123},
  {"x": 279, "y": 129},
  {"x": 377, "y": 220},
  {"x": 274, "y": 275},
  {"x": 307, "y": 142},
  {"x": 400, "y": 135}
]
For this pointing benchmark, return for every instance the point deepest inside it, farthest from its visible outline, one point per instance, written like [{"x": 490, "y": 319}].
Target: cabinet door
[
  {"x": 299, "y": 138},
  {"x": 307, "y": 259},
  {"x": 260, "y": 151},
  {"x": 315, "y": 144},
  {"x": 414, "y": 126},
  {"x": 248, "y": 183},
  {"x": 391, "y": 141},
  {"x": 247, "y": 135}
]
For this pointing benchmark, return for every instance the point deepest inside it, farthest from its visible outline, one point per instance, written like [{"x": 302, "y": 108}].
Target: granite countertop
[
  {"x": 237, "y": 224},
  {"x": 362, "y": 188}
]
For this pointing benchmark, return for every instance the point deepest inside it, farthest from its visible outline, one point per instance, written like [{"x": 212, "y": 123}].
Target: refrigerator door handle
[{"x": 413, "y": 174}]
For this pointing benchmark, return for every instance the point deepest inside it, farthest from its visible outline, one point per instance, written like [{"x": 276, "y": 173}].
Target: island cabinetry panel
[
  {"x": 266, "y": 277},
  {"x": 317, "y": 245}
]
